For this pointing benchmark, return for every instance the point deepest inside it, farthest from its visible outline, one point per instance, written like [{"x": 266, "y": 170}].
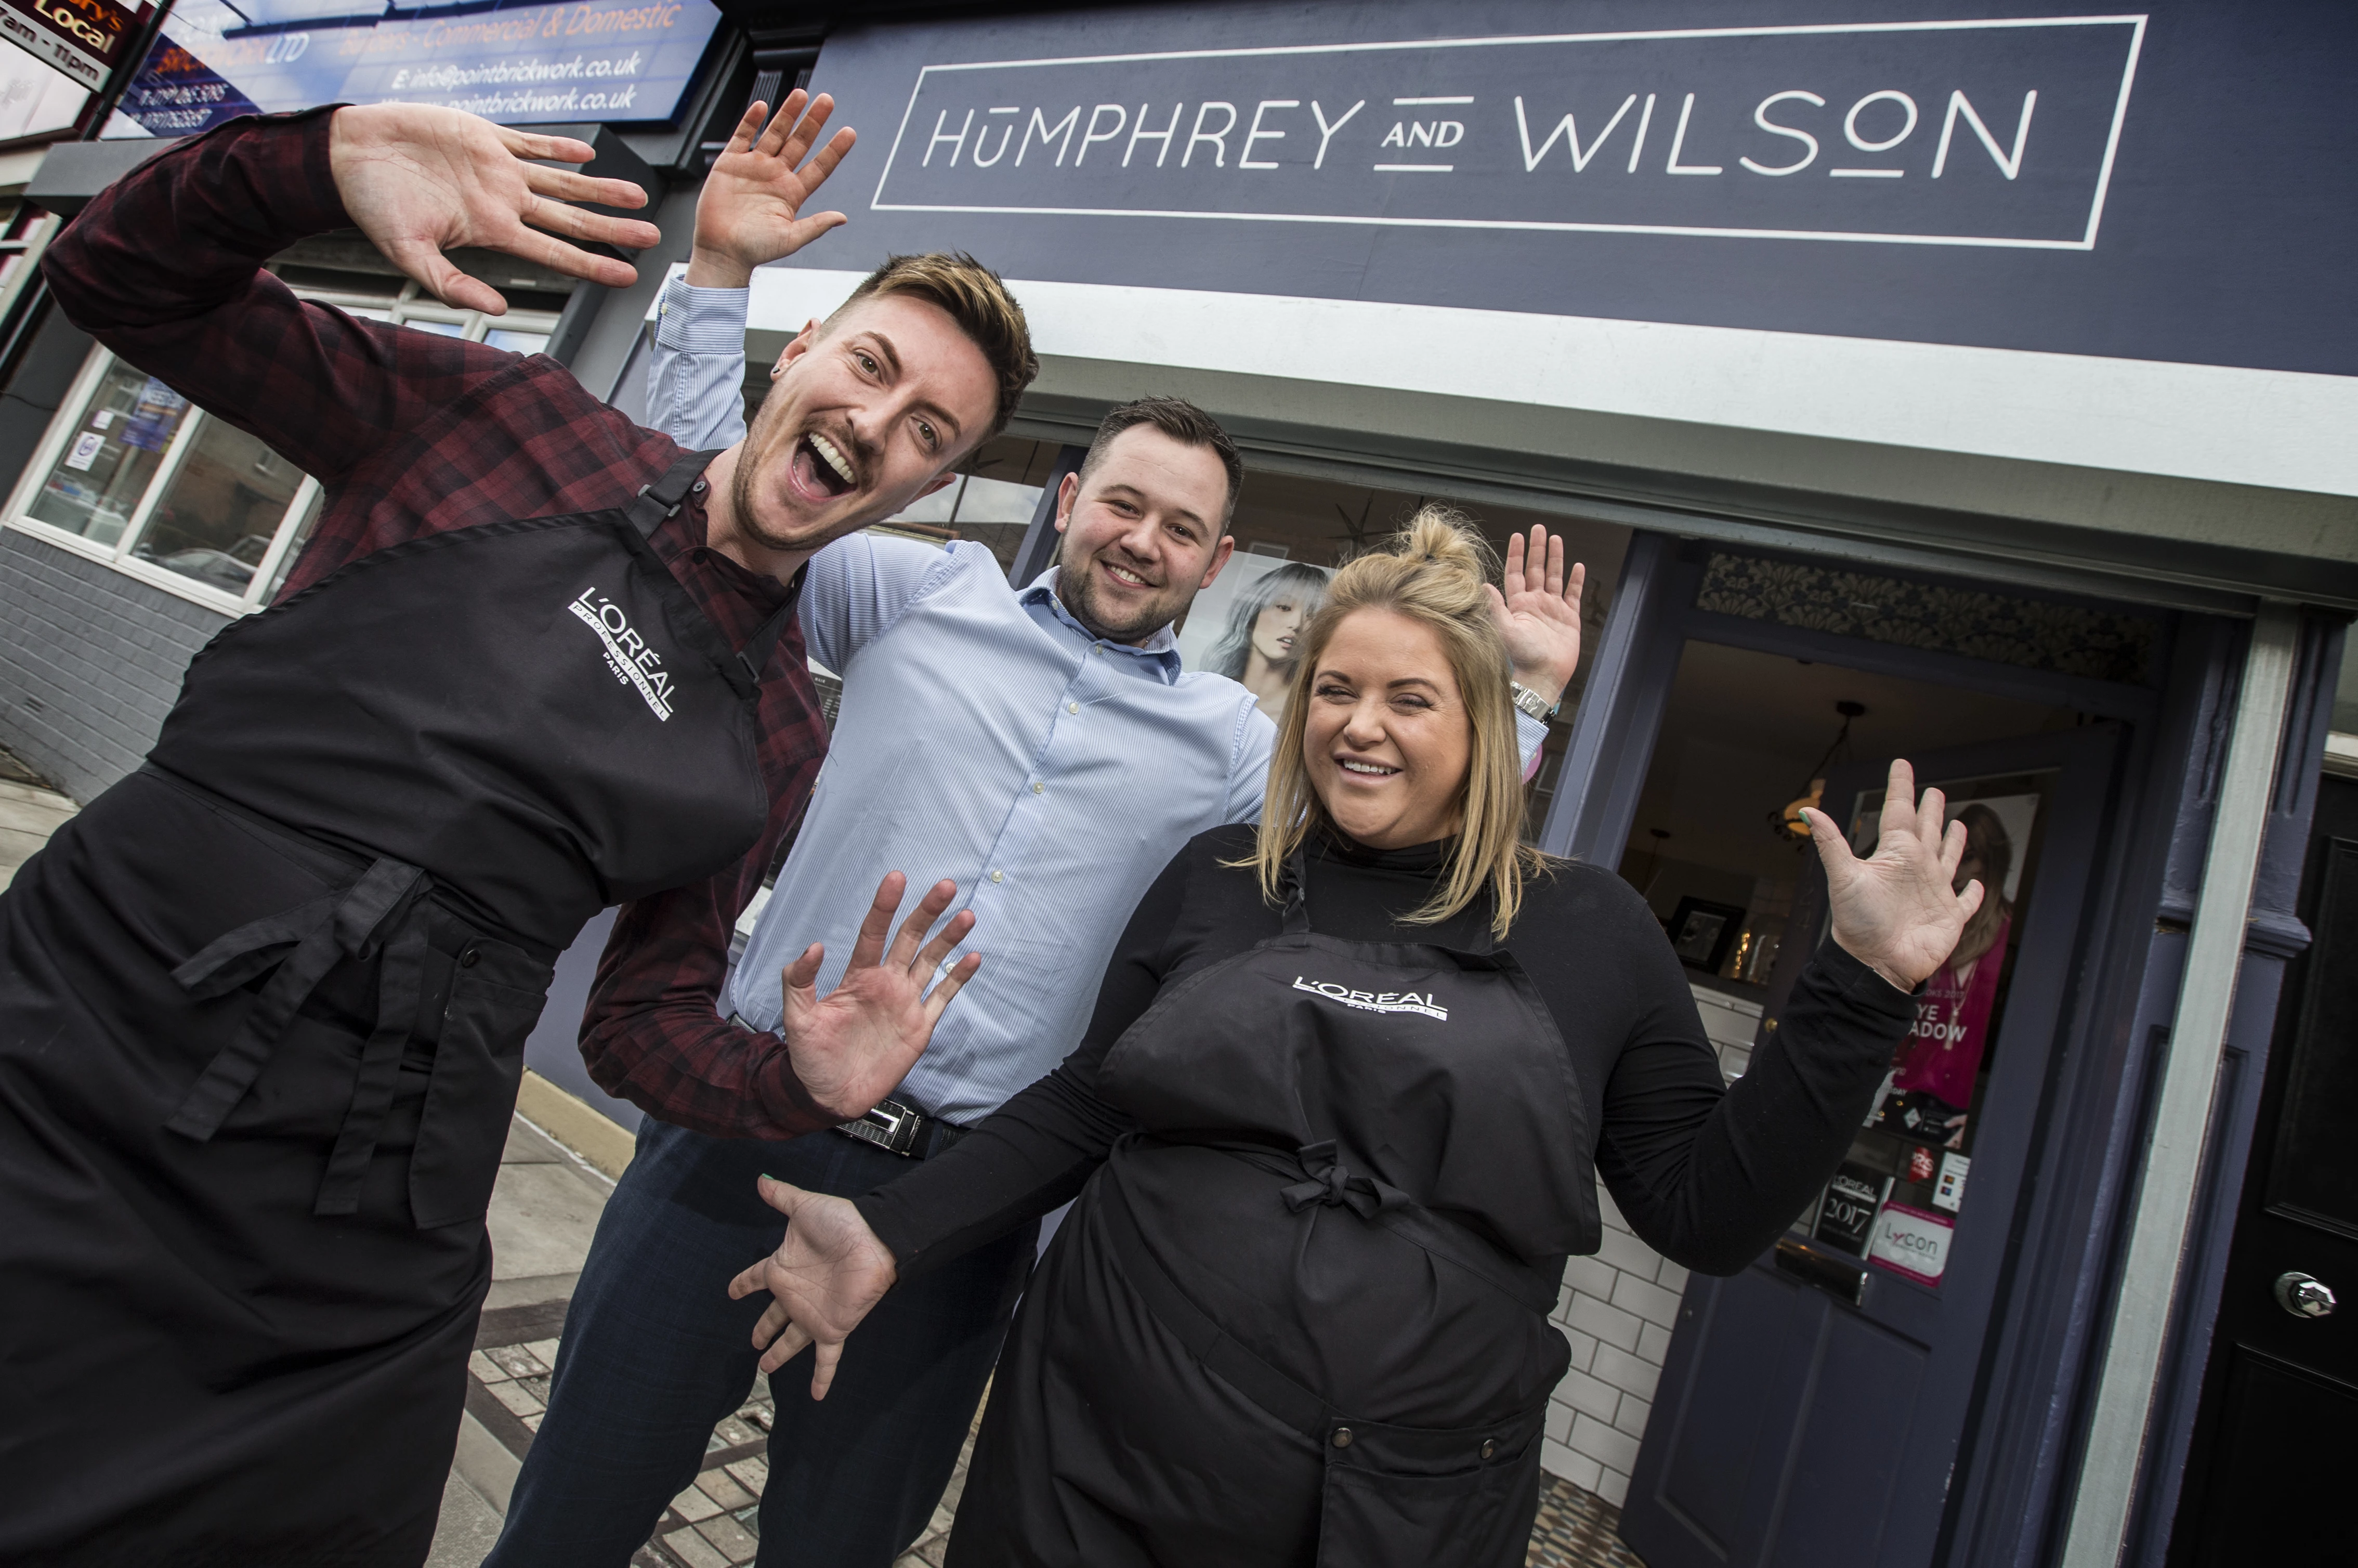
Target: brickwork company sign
[
  {"x": 1966, "y": 132},
  {"x": 83, "y": 38}
]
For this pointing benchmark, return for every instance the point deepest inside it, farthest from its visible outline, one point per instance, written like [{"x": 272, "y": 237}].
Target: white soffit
[{"x": 2277, "y": 429}]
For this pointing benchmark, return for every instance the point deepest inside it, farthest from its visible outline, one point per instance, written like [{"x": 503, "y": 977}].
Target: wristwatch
[{"x": 1532, "y": 703}]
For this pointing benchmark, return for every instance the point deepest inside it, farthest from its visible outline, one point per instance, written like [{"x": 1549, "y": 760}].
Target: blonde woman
[{"x": 1339, "y": 1120}]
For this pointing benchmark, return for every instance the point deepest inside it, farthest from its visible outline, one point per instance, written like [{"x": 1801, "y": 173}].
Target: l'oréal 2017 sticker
[{"x": 1911, "y": 1242}]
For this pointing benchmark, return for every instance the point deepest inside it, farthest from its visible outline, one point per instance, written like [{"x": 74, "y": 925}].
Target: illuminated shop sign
[
  {"x": 590, "y": 60},
  {"x": 1970, "y": 132},
  {"x": 83, "y": 38}
]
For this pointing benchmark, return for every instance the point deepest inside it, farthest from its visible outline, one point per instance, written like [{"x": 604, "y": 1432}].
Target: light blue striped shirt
[{"x": 984, "y": 736}]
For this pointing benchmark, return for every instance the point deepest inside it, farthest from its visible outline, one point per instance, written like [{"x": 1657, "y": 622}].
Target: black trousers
[{"x": 655, "y": 1353}]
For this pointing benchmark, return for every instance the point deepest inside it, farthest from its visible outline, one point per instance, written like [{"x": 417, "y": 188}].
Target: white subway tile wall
[{"x": 1617, "y": 1309}]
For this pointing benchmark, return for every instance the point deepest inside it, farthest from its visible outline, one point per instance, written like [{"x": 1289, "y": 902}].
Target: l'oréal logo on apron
[
  {"x": 627, "y": 653},
  {"x": 1374, "y": 1001}
]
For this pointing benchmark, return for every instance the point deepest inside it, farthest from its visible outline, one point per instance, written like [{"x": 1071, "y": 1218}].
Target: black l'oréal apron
[
  {"x": 1300, "y": 1319},
  {"x": 262, "y": 1008}
]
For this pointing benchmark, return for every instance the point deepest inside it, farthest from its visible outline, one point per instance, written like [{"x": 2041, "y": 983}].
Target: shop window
[
  {"x": 111, "y": 457},
  {"x": 220, "y": 513},
  {"x": 138, "y": 475},
  {"x": 991, "y": 502},
  {"x": 1719, "y": 852}
]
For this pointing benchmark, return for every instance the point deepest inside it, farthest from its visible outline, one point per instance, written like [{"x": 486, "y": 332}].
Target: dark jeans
[{"x": 655, "y": 1353}]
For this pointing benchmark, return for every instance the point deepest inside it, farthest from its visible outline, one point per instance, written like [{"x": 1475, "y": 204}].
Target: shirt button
[
  {"x": 1342, "y": 1438},
  {"x": 1490, "y": 1446},
  {"x": 468, "y": 959},
  {"x": 1038, "y": 788},
  {"x": 1071, "y": 708},
  {"x": 999, "y": 876}
]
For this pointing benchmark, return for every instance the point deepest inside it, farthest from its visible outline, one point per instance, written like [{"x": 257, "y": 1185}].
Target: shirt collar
[{"x": 1158, "y": 654}]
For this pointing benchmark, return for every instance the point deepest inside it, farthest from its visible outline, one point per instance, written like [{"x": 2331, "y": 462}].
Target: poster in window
[
  {"x": 1247, "y": 625},
  {"x": 1930, "y": 1090}
]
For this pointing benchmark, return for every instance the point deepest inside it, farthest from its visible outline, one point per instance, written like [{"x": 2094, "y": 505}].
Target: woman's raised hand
[
  {"x": 826, "y": 1276},
  {"x": 1894, "y": 911},
  {"x": 852, "y": 1046}
]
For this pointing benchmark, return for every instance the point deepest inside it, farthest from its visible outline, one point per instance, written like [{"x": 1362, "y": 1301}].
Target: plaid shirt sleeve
[
  {"x": 199, "y": 313},
  {"x": 411, "y": 433}
]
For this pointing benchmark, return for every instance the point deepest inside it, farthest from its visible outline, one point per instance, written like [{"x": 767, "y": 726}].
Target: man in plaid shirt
[
  {"x": 411, "y": 433},
  {"x": 421, "y": 750}
]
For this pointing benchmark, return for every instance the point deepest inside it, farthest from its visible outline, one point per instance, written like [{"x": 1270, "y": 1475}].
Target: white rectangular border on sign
[{"x": 2136, "y": 22}]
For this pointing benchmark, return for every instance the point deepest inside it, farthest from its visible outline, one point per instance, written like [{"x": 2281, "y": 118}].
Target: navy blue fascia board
[{"x": 2220, "y": 168}]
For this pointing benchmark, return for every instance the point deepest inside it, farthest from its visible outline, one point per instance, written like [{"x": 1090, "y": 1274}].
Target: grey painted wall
[{"x": 91, "y": 661}]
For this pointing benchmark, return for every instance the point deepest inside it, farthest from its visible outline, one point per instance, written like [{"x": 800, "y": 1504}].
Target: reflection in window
[
  {"x": 215, "y": 521},
  {"x": 107, "y": 463},
  {"x": 994, "y": 511},
  {"x": 517, "y": 342}
]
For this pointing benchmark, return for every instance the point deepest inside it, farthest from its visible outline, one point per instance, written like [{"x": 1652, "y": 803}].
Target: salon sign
[
  {"x": 83, "y": 38},
  {"x": 1983, "y": 133}
]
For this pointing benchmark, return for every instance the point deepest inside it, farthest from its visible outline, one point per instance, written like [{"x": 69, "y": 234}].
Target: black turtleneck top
[{"x": 1707, "y": 1174}]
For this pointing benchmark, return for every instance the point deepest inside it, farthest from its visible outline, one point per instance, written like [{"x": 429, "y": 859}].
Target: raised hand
[
  {"x": 418, "y": 180},
  {"x": 750, "y": 209},
  {"x": 1539, "y": 613},
  {"x": 823, "y": 1277},
  {"x": 1894, "y": 911},
  {"x": 850, "y": 1047}
]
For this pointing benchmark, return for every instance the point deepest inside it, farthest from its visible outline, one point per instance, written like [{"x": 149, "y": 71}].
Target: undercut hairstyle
[
  {"x": 975, "y": 298},
  {"x": 1433, "y": 571},
  {"x": 1183, "y": 423}
]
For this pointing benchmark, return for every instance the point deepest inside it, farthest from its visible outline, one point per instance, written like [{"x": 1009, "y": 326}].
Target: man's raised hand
[
  {"x": 750, "y": 209},
  {"x": 852, "y": 1046},
  {"x": 419, "y": 180},
  {"x": 1895, "y": 910}
]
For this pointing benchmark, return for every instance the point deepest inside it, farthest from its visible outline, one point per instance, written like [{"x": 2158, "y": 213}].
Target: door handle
[{"x": 2304, "y": 1295}]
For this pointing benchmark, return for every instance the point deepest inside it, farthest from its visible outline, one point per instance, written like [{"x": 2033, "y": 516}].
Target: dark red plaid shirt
[{"x": 411, "y": 434}]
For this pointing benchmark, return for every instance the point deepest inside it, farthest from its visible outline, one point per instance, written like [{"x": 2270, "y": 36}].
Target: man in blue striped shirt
[{"x": 1039, "y": 744}]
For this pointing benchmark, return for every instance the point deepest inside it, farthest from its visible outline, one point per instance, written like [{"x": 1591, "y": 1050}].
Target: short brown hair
[
  {"x": 976, "y": 298},
  {"x": 1183, "y": 423}
]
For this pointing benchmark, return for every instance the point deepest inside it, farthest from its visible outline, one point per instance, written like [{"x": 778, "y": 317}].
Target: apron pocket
[
  {"x": 463, "y": 1128},
  {"x": 1431, "y": 1499}
]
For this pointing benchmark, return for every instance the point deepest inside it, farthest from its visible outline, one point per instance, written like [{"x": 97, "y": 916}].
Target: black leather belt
[
  {"x": 902, "y": 1129},
  {"x": 891, "y": 1125}
]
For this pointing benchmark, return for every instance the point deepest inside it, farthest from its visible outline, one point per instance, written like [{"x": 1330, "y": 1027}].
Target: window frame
[{"x": 73, "y": 412}]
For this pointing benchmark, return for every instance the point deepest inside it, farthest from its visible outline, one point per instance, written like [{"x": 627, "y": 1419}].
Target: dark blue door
[{"x": 1812, "y": 1407}]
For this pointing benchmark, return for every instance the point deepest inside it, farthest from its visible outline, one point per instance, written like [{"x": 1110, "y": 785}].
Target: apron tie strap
[
  {"x": 400, "y": 981},
  {"x": 321, "y": 931},
  {"x": 1331, "y": 1183}
]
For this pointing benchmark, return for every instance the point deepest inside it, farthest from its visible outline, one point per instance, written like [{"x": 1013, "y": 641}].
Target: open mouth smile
[
  {"x": 1124, "y": 576},
  {"x": 821, "y": 469},
  {"x": 1365, "y": 770}
]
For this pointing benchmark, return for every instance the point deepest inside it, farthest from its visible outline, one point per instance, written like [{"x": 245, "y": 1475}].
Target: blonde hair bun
[{"x": 1446, "y": 537}]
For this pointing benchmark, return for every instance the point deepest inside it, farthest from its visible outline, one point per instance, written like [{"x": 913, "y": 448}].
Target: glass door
[{"x": 1811, "y": 1409}]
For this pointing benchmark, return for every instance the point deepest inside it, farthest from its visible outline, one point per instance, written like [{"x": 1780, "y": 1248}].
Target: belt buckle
[{"x": 888, "y": 1124}]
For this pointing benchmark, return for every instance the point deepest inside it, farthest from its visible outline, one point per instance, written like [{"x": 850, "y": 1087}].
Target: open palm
[
  {"x": 1895, "y": 910},
  {"x": 752, "y": 208},
  {"x": 852, "y": 1046},
  {"x": 1538, "y": 611}
]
